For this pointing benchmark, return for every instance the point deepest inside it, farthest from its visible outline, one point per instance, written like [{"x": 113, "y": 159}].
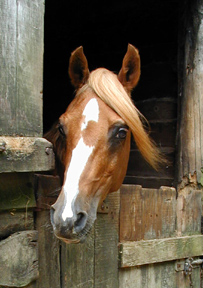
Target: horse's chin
[{"x": 76, "y": 238}]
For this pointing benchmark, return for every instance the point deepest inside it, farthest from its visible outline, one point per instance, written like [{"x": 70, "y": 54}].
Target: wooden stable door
[{"x": 136, "y": 241}]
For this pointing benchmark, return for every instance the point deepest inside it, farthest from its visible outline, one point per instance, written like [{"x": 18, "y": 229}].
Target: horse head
[{"x": 92, "y": 142}]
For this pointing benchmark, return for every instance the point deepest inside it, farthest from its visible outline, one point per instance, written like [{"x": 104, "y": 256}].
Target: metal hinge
[{"x": 187, "y": 266}]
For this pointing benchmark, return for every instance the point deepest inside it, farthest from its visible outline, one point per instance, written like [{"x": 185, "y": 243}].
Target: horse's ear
[
  {"x": 78, "y": 68},
  {"x": 129, "y": 74}
]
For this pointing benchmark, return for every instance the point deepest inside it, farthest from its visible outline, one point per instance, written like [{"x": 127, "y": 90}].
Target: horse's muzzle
[{"x": 72, "y": 229}]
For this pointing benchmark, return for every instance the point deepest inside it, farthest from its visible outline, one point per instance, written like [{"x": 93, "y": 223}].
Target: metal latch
[{"x": 189, "y": 265}]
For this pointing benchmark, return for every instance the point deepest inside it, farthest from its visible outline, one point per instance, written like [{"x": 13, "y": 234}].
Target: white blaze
[
  {"x": 91, "y": 113},
  {"x": 80, "y": 156}
]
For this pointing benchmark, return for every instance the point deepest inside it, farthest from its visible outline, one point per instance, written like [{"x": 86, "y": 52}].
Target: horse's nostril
[{"x": 81, "y": 221}]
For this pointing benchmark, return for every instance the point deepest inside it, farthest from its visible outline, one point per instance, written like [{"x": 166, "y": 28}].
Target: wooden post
[
  {"x": 21, "y": 70},
  {"x": 22, "y": 148},
  {"x": 190, "y": 157},
  {"x": 190, "y": 137}
]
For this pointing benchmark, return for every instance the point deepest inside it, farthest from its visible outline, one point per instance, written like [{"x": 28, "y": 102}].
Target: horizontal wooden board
[
  {"x": 19, "y": 259},
  {"x": 160, "y": 250},
  {"x": 163, "y": 133},
  {"x": 25, "y": 154},
  {"x": 137, "y": 166},
  {"x": 158, "y": 109},
  {"x": 149, "y": 182},
  {"x": 15, "y": 221},
  {"x": 16, "y": 191}
]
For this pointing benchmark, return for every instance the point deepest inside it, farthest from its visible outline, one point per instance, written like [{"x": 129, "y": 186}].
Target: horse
[{"x": 91, "y": 142}]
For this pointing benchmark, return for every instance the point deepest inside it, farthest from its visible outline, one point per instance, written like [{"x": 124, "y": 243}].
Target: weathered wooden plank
[
  {"x": 25, "y": 154},
  {"x": 189, "y": 211},
  {"x": 19, "y": 259},
  {"x": 77, "y": 264},
  {"x": 160, "y": 275},
  {"x": 47, "y": 189},
  {"x": 147, "y": 213},
  {"x": 106, "y": 244},
  {"x": 48, "y": 251},
  {"x": 21, "y": 57},
  {"x": 15, "y": 221},
  {"x": 137, "y": 166},
  {"x": 190, "y": 156},
  {"x": 8, "y": 85},
  {"x": 158, "y": 108},
  {"x": 16, "y": 191},
  {"x": 149, "y": 182},
  {"x": 160, "y": 250}
]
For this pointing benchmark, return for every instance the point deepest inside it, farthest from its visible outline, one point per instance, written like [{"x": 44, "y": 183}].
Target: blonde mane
[{"x": 109, "y": 89}]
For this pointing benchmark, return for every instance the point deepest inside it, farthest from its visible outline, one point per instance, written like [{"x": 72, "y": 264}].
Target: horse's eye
[
  {"x": 61, "y": 130},
  {"x": 122, "y": 133}
]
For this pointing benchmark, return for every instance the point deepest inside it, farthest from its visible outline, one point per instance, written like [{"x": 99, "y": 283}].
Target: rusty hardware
[
  {"x": 2, "y": 146},
  {"x": 189, "y": 265}
]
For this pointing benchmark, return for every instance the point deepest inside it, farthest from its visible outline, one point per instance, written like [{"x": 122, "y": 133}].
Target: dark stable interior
[{"x": 104, "y": 29}]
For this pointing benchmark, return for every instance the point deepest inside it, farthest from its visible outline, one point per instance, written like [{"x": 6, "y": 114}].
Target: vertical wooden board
[
  {"x": 47, "y": 189},
  {"x": 160, "y": 275},
  {"x": 30, "y": 47},
  {"x": 21, "y": 58},
  {"x": 77, "y": 264},
  {"x": 106, "y": 244},
  {"x": 190, "y": 156},
  {"x": 130, "y": 213},
  {"x": 189, "y": 210},
  {"x": 48, "y": 251},
  {"x": 8, "y": 89},
  {"x": 147, "y": 213},
  {"x": 184, "y": 281}
]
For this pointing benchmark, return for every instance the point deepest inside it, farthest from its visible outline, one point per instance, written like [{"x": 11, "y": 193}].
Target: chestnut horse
[{"x": 92, "y": 142}]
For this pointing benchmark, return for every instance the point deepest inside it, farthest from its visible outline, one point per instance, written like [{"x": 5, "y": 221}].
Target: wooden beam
[
  {"x": 160, "y": 250},
  {"x": 190, "y": 137},
  {"x": 19, "y": 259},
  {"x": 25, "y": 154},
  {"x": 17, "y": 191},
  {"x": 21, "y": 58}
]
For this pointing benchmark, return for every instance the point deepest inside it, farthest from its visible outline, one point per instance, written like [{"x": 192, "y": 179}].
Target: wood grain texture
[
  {"x": 48, "y": 251},
  {"x": 77, "y": 264},
  {"x": 15, "y": 221},
  {"x": 26, "y": 154},
  {"x": 189, "y": 211},
  {"x": 148, "y": 276},
  {"x": 147, "y": 213},
  {"x": 19, "y": 258},
  {"x": 21, "y": 57},
  {"x": 106, "y": 244},
  {"x": 47, "y": 189},
  {"x": 17, "y": 191},
  {"x": 190, "y": 157},
  {"x": 160, "y": 250}
]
